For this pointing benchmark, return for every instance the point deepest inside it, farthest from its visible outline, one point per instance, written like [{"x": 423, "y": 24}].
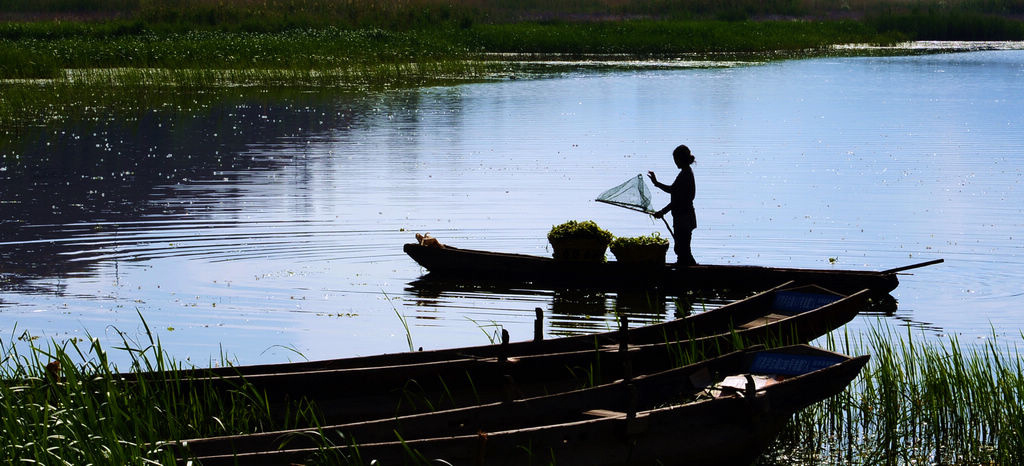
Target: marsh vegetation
[{"x": 920, "y": 400}]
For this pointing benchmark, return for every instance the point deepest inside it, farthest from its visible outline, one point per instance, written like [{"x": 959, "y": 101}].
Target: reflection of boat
[
  {"x": 405, "y": 384},
  {"x": 472, "y": 264},
  {"x": 774, "y": 304},
  {"x": 724, "y": 410}
]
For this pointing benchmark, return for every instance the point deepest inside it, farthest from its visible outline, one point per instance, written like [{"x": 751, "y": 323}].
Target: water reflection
[
  {"x": 642, "y": 301},
  {"x": 570, "y": 310},
  {"x": 93, "y": 178}
]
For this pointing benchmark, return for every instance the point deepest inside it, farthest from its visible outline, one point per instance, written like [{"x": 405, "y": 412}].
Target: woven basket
[
  {"x": 647, "y": 254},
  {"x": 579, "y": 249}
]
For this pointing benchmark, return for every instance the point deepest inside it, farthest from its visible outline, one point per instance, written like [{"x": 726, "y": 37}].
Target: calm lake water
[{"x": 271, "y": 229}]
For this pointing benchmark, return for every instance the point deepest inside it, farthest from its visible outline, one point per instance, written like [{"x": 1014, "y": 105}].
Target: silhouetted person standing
[{"x": 682, "y": 191}]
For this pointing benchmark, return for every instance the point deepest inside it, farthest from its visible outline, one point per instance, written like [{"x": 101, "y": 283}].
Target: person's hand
[{"x": 653, "y": 178}]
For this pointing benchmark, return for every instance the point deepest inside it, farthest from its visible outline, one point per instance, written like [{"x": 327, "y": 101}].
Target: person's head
[{"x": 682, "y": 156}]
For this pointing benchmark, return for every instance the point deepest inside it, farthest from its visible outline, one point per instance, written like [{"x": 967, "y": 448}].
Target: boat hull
[
  {"x": 456, "y": 263},
  {"x": 714, "y": 321},
  {"x": 360, "y": 393},
  {"x": 639, "y": 422}
]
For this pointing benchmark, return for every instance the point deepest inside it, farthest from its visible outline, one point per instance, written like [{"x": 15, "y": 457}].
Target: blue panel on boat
[
  {"x": 790, "y": 364},
  {"x": 793, "y": 302}
]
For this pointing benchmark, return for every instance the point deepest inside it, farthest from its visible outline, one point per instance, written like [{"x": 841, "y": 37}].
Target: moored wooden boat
[
  {"x": 777, "y": 302},
  {"x": 357, "y": 393},
  {"x": 452, "y": 262},
  {"x": 723, "y": 410}
]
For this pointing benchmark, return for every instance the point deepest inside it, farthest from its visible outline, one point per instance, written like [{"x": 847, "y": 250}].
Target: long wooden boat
[
  {"x": 724, "y": 410},
  {"x": 453, "y": 262},
  {"x": 359, "y": 393},
  {"x": 780, "y": 301}
]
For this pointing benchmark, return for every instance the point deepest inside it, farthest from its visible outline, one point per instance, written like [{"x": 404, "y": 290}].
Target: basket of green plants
[
  {"x": 575, "y": 241},
  {"x": 649, "y": 249}
]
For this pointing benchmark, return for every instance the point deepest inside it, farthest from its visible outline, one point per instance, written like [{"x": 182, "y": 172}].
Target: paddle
[{"x": 914, "y": 266}]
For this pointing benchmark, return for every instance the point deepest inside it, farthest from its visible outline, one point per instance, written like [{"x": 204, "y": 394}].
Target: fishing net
[{"x": 633, "y": 194}]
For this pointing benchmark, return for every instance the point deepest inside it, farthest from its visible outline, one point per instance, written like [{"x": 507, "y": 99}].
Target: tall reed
[
  {"x": 920, "y": 400},
  {"x": 57, "y": 409}
]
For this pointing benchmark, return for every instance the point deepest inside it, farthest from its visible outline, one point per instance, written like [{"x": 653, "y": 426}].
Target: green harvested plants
[
  {"x": 652, "y": 240},
  {"x": 640, "y": 249},
  {"x": 575, "y": 229},
  {"x": 575, "y": 241}
]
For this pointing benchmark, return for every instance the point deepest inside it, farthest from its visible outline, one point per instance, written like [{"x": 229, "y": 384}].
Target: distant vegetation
[
  {"x": 947, "y": 19},
  {"x": 40, "y": 38},
  {"x": 77, "y": 44},
  {"x": 412, "y": 13}
]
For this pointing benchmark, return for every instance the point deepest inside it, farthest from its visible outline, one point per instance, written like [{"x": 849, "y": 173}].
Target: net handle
[
  {"x": 669, "y": 228},
  {"x": 670, "y": 232}
]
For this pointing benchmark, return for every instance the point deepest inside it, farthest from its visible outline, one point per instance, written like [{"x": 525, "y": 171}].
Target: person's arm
[
  {"x": 661, "y": 213},
  {"x": 661, "y": 186}
]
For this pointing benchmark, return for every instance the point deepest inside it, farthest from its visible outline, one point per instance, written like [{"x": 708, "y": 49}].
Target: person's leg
[{"x": 684, "y": 256}]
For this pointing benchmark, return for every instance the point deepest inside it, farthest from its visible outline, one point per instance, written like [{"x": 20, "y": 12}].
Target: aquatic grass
[
  {"x": 920, "y": 400},
  {"x": 54, "y": 408},
  {"x": 493, "y": 336},
  {"x": 332, "y": 48},
  {"x": 685, "y": 350},
  {"x": 88, "y": 94},
  {"x": 405, "y": 325},
  {"x": 590, "y": 375},
  {"x": 948, "y": 25},
  {"x": 472, "y": 387},
  {"x": 414, "y": 395},
  {"x": 352, "y": 76}
]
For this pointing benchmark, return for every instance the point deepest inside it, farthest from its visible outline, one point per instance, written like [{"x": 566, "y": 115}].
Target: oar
[
  {"x": 632, "y": 207},
  {"x": 914, "y": 266}
]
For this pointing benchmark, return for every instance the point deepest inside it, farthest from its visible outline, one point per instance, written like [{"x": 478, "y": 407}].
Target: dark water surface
[{"x": 267, "y": 228}]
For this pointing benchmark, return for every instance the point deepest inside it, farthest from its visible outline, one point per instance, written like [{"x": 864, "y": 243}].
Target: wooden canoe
[
  {"x": 782, "y": 300},
  {"x": 359, "y": 393},
  {"x": 708, "y": 413},
  {"x": 452, "y": 262}
]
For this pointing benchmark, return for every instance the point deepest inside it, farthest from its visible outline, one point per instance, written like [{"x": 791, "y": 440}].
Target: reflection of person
[{"x": 682, "y": 192}]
